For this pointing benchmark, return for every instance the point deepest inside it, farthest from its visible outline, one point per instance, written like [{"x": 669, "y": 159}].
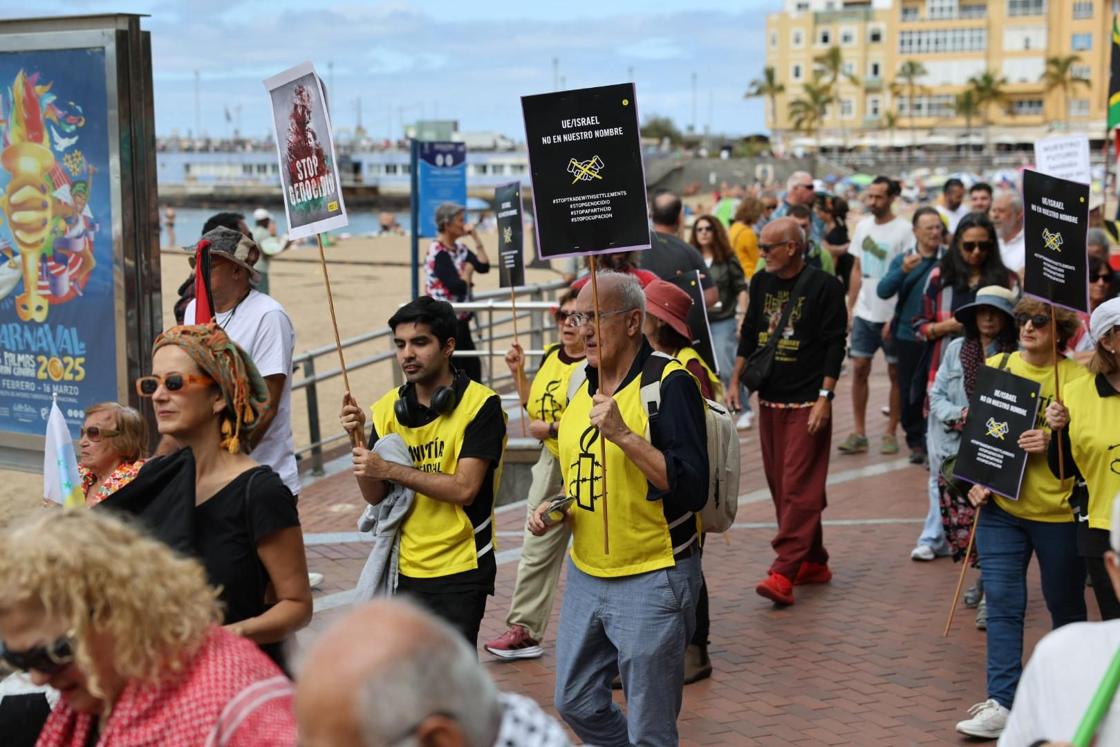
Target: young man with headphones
[{"x": 455, "y": 431}]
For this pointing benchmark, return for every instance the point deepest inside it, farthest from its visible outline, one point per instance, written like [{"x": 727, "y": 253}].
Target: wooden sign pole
[
  {"x": 964, "y": 569},
  {"x": 602, "y": 441},
  {"x": 355, "y": 437},
  {"x": 517, "y": 384}
]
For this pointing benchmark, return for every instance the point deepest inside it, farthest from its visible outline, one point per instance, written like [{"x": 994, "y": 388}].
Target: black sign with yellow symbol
[
  {"x": 1002, "y": 407},
  {"x": 1056, "y": 225},
  {"x": 585, "y": 161},
  {"x": 511, "y": 262},
  {"x": 586, "y": 472}
]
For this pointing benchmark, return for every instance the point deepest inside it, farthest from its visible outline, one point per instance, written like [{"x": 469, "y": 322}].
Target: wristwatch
[{"x": 827, "y": 394}]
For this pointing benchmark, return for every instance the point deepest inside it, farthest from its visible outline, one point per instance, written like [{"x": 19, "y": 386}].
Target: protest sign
[
  {"x": 1066, "y": 157},
  {"x": 1002, "y": 407},
  {"x": 511, "y": 262},
  {"x": 308, "y": 167},
  {"x": 698, "y": 324},
  {"x": 585, "y": 161},
  {"x": 1056, "y": 224}
]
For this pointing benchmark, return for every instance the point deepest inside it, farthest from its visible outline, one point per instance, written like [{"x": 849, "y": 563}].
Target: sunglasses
[
  {"x": 50, "y": 659},
  {"x": 1102, "y": 279},
  {"x": 1038, "y": 321},
  {"x": 562, "y": 316},
  {"x": 96, "y": 433},
  {"x": 703, "y": 229},
  {"x": 146, "y": 386},
  {"x": 767, "y": 248},
  {"x": 973, "y": 246}
]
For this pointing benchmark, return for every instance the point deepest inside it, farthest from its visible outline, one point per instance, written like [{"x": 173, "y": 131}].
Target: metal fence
[{"x": 493, "y": 330}]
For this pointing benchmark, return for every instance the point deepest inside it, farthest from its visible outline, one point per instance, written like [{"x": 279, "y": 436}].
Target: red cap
[{"x": 670, "y": 304}]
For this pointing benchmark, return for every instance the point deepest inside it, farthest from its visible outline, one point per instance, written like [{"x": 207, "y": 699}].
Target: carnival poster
[
  {"x": 305, "y": 145},
  {"x": 57, "y": 296}
]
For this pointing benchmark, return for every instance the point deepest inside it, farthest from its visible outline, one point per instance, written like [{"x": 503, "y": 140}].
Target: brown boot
[{"x": 697, "y": 665}]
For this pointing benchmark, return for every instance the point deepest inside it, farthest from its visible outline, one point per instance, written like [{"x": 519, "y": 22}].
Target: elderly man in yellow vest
[{"x": 630, "y": 608}]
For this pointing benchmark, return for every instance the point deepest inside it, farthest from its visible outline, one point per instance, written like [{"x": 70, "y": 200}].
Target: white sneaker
[
  {"x": 745, "y": 421},
  {"x": 988, "y": 720},
  {"x": 922, "y": 552},
  {"x": 315, "y": 579}
]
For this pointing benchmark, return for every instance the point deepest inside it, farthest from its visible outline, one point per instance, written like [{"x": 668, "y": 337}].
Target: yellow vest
[
  {"x": 639, "y": 533},
  {"x": 1042, "y": 496},
  {"x": 548, "y": 394},
  {"x": 1095, "y": 443},
  {"x": 438, "y": 538},
  {"x": 684, "y": 355}
]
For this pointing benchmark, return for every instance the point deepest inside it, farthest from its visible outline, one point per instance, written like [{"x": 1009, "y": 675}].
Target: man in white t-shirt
[
  {"x": 878, "y": 238},
  {"x": 259, "y": 324},
  {"x": 954, "y": 208},
  {"x": 1007, "y": 215}
]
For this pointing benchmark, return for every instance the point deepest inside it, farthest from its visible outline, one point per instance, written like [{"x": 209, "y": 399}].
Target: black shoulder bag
[{"x": 760, "y": 363}]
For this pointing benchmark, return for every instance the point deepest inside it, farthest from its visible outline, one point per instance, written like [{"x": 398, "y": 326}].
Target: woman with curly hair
[
  {"x": 128, "y": 633},
  {"x": 210, "y": 499}
]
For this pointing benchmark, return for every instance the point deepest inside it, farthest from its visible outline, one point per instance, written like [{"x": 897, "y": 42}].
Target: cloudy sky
[{"x": 449, "y": 59}]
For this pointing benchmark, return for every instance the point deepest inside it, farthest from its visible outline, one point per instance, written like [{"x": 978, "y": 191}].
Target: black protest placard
[
  {"x": 1002, "y": 407},
  {"x": 585, "y": 161},
  {"x": 511, "y": 263},
  {"x": 698, "y": 324},
  {"x": 1056, "y": 225}
]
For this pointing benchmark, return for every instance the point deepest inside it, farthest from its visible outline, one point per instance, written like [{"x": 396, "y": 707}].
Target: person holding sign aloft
[
  {"x": 1086, "y": 421},
  {"x": 632, "y": 609},
  {"x": 538, "y": 569},
  {"x": 1009, "y": 531}
]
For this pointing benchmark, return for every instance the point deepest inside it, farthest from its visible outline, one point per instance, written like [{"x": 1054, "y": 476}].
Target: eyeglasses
[
  {"x": 768, "y": 206},
  {"x": 579, "y": 318},
  {"x": 703, "y": 229},
  {"x": 968, "y": 247},
  {"x": 146, "y": 386},
  {"x": 806, "y": 186},
  {"x": 50, "y": 659},
  {"x": 96, "y": 433},
  {"x": 1102, "y": 279},
  {"x": 1038, "y": 321},
  {"x": 767, "y": 248},
  {"x": 562, "y": 315}
]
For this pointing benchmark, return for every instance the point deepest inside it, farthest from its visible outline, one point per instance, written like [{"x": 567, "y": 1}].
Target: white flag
[{"x": 61, "y": 481}]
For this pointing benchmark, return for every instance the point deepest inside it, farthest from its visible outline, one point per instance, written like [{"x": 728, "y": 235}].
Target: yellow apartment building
[{"x": 953, "y": 40}]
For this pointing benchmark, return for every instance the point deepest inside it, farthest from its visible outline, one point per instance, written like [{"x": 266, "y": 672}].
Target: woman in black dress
[{"x": 210, "y": 499}]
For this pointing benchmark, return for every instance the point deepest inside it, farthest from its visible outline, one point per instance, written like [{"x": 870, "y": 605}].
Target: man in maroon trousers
[{"x": 795, "y": 413}]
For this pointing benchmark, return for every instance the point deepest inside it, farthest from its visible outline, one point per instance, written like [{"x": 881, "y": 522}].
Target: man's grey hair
[
  {"x": 629, "y": 291},
  {"x": 797, "y": 177},
  {"x": 1097, "y": 237},
  {"x": 1014, "y": 199},
  {"x": 438, "y": 675}
]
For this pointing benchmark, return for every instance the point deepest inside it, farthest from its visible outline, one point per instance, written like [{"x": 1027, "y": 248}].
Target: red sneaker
[
  {"x": 777, "y": 588},
  {"x": 515, "y": 643},
  {"x": 812, "y": 573}
]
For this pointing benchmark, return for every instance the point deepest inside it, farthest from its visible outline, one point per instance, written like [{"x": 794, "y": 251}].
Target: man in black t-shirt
[
  {"x": 668, "y": 257},
  {"x": 795, "y": 417},
  {"x": 455, "y": 430}
]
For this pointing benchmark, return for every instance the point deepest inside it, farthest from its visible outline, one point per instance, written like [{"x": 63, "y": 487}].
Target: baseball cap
[{"x": 261, "y": 214}]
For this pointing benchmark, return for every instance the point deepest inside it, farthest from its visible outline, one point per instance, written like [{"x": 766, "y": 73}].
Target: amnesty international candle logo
[
  {"x": 1052, "y": 240},
  {"x": 997, "y": 429},
  {"x": 308, "y": 166},
  {"x": 586, "y": 485},
  {"x": 548, "y": 407},
  {"x": 585, "y": 161}
]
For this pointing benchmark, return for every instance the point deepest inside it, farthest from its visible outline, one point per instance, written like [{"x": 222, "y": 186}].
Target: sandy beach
[{"x": 370, "y": 278}]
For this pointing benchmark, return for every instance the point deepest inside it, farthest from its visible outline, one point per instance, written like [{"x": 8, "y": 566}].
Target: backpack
[{"x": 719, "y": 510}]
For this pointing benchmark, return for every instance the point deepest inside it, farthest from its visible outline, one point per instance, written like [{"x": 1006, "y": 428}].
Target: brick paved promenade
[{"x": 860, "y": 661}]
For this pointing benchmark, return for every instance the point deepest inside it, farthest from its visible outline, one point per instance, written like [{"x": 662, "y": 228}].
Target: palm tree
[
  {"x": 807, "y": 113},
  {"x": 967, "y": 107},
  {"x": 1059, "y": 76},
  {"x": 987, "y": 89},
  {"x": 906, "y": 81},
  {"x": 831, "y": 71},
  {"x": 769, "y": 87},
  {"x": 890, "y": 121}
]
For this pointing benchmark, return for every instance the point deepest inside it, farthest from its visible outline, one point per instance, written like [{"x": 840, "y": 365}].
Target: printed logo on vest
[{"x": 586, "y": 486}]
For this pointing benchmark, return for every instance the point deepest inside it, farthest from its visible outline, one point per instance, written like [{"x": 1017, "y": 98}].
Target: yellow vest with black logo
[
  {"x": 548, "y": 394},
  {"x": 437, "y": 538},
  {"x": 1095, "y": 445},
  {"x": 684, "y": 355},
  {"x": 1042, "y": 496},
  {"x": 639, "y": 534}
]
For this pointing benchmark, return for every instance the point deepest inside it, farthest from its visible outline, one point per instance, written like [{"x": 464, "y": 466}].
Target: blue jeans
[
  {"x": 1005, "y": 544},
  {"x": 933, "y": 531},
  {"x": 639, "y": 627},
  {"x": 725, "y": 340}
]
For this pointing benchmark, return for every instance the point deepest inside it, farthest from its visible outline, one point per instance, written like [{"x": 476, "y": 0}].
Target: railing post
[
  {"x": 313, "y": 418},
  {"x": 537, "y": 338},
  {"x": 490, "y": 342}
]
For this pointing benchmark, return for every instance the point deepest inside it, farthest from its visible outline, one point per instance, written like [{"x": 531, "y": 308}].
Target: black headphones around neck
[{"x": 444, "y": 401}]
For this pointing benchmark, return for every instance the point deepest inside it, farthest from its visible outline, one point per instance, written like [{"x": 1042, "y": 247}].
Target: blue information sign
[{"x": 439, "y": 175}]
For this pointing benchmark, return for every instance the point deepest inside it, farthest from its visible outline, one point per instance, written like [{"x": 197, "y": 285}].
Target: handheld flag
[
  {"x": 1114, "y": 78},
  {"x": 61, "y": 482}
]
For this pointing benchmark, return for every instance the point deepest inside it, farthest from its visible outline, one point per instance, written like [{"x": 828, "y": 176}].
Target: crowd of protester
[{"x": 164, "y": 611}]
